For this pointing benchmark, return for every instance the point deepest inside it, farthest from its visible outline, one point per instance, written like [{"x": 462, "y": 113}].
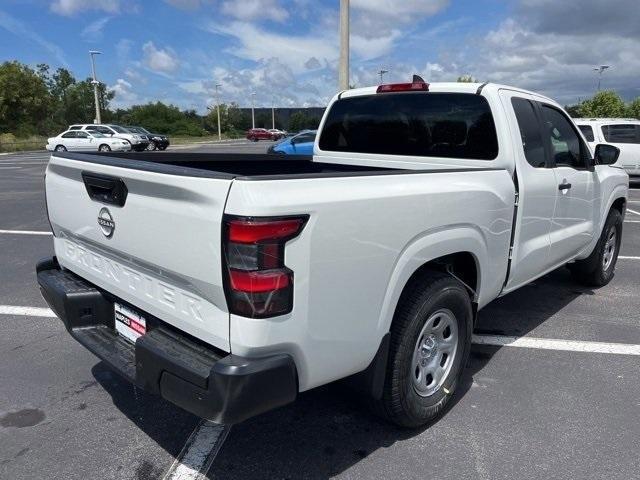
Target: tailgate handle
[{"x": 105, "y": 189}]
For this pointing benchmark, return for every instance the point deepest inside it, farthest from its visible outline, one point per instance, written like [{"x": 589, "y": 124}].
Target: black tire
[
  {"x": 60, "y": 148},
  {"x": 104, "y": 148},
  {"x": 152, "y": 146},
  {"x": 426, "y": 296},
  {"x": 162, "y": 147},
  {"x": 597, "y": 270}
]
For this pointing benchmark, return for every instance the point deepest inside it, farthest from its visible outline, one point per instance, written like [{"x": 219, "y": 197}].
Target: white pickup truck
[{"x": 229, "y": 283}]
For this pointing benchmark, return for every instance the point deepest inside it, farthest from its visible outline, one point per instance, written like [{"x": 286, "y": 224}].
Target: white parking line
[
  {"x": 553, "y": 344},
  {"x": 199, "y": 452},
  {"x": 625, "y": 257},
  {"x": 26, "y": 311},
  {"x": 633, "y": 211},
  {"x": 25, "y": 232}
]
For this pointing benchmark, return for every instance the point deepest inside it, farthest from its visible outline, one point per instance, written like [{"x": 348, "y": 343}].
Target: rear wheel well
[
  {"x": 620, "y": 204},
  {"x": 461, "y": 265}
]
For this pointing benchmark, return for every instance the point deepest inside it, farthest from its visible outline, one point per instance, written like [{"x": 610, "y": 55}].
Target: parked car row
[
  {"x": 299, "y": 144},
  {"x": 107, "y": 138},
  {"x": 257, "y": 134}
]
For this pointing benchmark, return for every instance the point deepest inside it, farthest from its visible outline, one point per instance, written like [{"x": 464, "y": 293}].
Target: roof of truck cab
[
  {"x": 596, "y": 121},
  {"x": 453, "y": 87}
]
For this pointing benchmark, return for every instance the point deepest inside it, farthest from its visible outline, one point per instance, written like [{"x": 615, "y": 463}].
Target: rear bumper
[{"x": 209, "y": 383}]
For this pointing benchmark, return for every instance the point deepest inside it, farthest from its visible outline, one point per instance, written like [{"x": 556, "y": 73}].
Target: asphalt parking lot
[{"x": 521, "y": 412}]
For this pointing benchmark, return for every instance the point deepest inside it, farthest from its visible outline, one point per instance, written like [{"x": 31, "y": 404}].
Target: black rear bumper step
[{"x": 220, "y": 387}]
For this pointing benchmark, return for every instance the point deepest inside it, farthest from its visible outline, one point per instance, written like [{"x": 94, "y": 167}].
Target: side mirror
[{"x": 606, "y": 154}]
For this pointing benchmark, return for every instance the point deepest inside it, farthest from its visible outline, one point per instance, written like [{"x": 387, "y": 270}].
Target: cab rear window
[
  {"x": 623, "y": 133},
  {"x": 452, "y": 125},
  {"x": 587, "y": 131}
]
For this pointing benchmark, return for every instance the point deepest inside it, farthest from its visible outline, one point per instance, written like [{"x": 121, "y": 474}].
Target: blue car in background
[{"x": 300, "y": 144}]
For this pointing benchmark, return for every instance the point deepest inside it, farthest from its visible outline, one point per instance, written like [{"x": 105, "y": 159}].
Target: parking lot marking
[
  {"x": 633, "y": 211},
  {"x": 27, "y": 311},
  {"x": 626, "y": 257},
  {"x": 25, "y": 232},
  {"x": 553, "y": 344},
  {"x": 199, "y": 452},
  {"x": 632, "y": 221}
]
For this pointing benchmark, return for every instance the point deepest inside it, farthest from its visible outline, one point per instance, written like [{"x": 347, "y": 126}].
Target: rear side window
[
  {"x": 624, "y": 133},
  {"x": 587, "y": 131},
  {"x": 529, "y": 132},
  {"x": 452, "y": 125},
  {"x": 566, "y": 147},
  {"x": 69, "y": 135}
]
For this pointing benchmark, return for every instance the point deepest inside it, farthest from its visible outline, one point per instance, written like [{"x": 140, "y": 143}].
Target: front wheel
[
  {"x": 430, "y": 343},
  {"x": 152, "y": 146},
  {"x": 61, "y": 148},
  {"x": 598, "y": 269}
]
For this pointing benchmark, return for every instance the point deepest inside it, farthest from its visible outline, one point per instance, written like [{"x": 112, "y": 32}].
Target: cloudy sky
[{"x": 177, "y": 50}]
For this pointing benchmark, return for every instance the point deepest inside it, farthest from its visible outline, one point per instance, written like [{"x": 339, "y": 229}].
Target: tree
[
  {"x": 301, "y": 120},
  {"x": 237, "y": 119},
  {"x": 25, "y": 103},
  {"x": 633, "y": 110},
  {"x": 466, "y": 78},
  {"x": 606, "y": 103},
  {"x": 573, "y": 110}
]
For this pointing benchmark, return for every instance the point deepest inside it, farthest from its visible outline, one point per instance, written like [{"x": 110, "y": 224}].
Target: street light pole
[
  {"x": 381, "y": 73},
  {"x": 253, "y": 106},
  {"x": 273, "y": 112},
  {"x": 600, "y": 69},
  {"x": 95, "y": 85},
  {"x": 343, "y": 68},
  {"x": 218, "y": 108}
]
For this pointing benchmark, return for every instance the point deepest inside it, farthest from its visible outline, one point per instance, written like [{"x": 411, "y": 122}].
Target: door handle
[
  {"x": 105, "y": 189},
  {"x": 564, "y": 186}
]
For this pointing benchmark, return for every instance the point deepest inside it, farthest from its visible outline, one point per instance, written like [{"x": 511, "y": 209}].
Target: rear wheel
[
  {"x": 61, "y": 148},
  {"x": 599, "y": 268},
  {"x": 104, "y": 148},
  {"x": 430, "y": 342}
]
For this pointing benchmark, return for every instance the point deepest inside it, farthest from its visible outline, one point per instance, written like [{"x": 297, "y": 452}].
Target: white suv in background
[
  {"x": 624, "y": 133},
  {"x": 138, "y": 142}
]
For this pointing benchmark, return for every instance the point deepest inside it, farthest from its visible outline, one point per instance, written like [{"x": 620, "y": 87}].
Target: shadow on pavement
[
  {"x": 168, "y": 425},
  {"x": 329, "y": 429}
]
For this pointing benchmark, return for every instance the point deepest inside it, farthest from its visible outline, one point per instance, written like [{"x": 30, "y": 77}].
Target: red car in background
[{"x": 256, "y": 134}]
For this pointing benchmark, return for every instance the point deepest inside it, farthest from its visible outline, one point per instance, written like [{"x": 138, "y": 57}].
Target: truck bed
[{"x": 226, "y": 165}]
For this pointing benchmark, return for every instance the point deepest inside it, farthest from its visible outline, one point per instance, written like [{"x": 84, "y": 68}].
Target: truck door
[
  {"x": 573, "y": 219},
  {"x": 537, "y": 188}
]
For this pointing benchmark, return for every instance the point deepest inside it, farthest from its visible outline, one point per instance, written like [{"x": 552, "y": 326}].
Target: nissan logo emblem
[{"x": 105, "y": 220}]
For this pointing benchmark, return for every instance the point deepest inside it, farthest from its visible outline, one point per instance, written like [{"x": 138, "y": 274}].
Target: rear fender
[{"x": 426, "y": 248}]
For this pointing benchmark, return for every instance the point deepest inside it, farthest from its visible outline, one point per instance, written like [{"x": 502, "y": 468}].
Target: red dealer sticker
[{"x": 129, "y": 323}]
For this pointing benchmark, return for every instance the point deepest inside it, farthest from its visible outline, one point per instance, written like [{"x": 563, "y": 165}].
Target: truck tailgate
[{"x": 160, "y": 251}]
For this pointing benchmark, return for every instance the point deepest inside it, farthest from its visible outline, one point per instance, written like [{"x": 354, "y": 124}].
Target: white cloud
[
  {"x": 293, "y": 51},
  {"x": 125, "y": 96},
  {"x": 71, "y": 7},
  {"x": 134, "y": 75},
  {"x": 249, "y": 10},
  {"x": 158, "y": 59},
  {"x": 93, "y": 31}
]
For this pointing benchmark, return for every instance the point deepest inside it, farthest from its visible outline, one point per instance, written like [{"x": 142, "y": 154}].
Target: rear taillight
[{"x": 257, "y": 283}]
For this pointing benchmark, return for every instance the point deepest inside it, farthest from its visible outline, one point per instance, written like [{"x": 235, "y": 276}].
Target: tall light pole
[
  {"x": 600, "y": 69},
  {"x": 253, "y": 106},
  {"x": 95, "y": 83},
  {"x": 273, "y": 112},
  {"x": 381, "y": 73},
  {"x": 218, "y": 108},
  {"x": 343, "y": 68}
]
